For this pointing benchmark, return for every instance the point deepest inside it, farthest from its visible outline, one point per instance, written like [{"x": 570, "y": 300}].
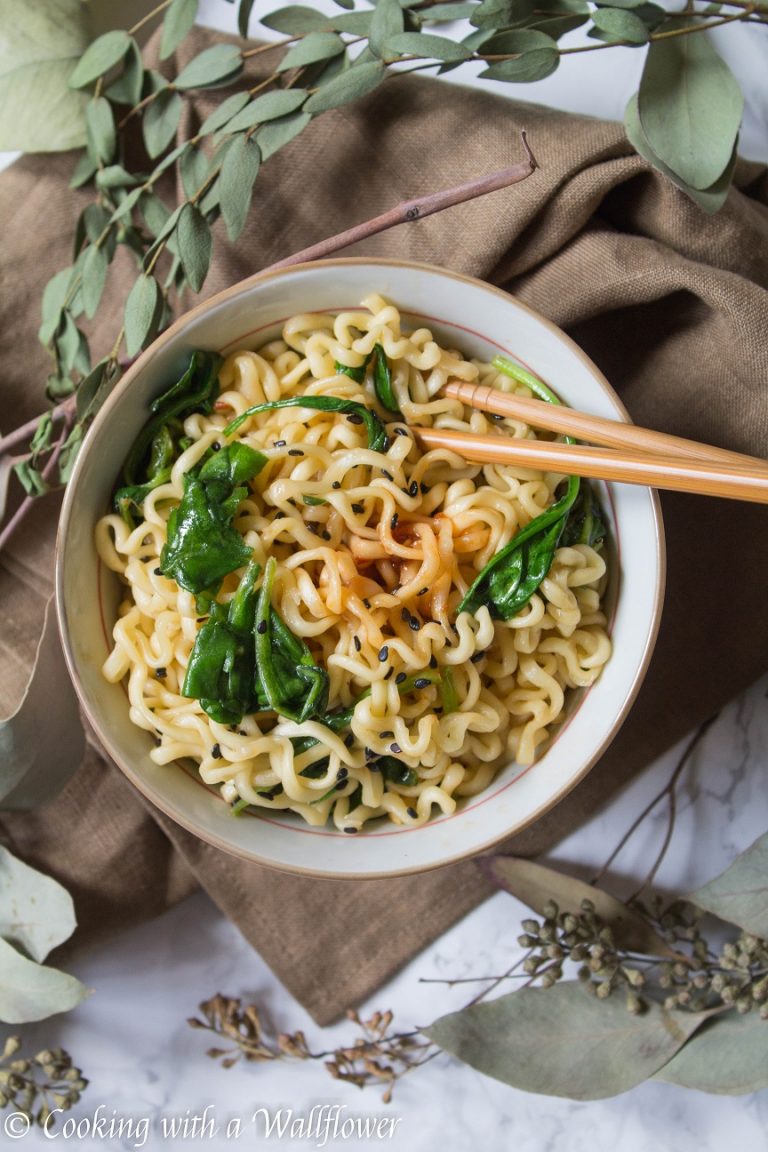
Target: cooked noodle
[{"x": 370, "y": 579}]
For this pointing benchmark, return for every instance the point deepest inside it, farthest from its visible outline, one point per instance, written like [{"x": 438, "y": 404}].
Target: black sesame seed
[
  {"x": 405, "y": 616},
  {"x": 336, "y": 484},
  {"x": 414, "y": 624},
  {"x": 422, "y": 592},
  {"x": 366, "y": 602},
  {"x": 374, "y": 766},
  {"x": 393, "y": 521},
  {"x": 349, "y": 740},
  {"x": 341, "y": 775},
  {"x": 387, "y": 475},
  {"x": 351, "y": 829},
  {"x": 476, "y": 657},
  {"x": 401, "y": 676},
  {"x": 395, "y": 748},
  {"x": 388, "y": 673},
  {"x": 216, "y": 446},
  {"x": 355, "y": 418},
  {"x": 422, "y": 682},
  {"x": 383, "y": 653},
  {"x": 413, "y": 489},
  {"x": 161, "y": 673},
  {"x": 326, "y": 534},
  {"x": 358, "y": 508},
  {"x": 412, "y": 813},
  {"x": 495, "y": 416},
  {"x": 261, "y": 627},
  {"x": 370, "y": 754},
  {"x": 295, "y": 452},
  {"x": 385, "y": 735},
  {"x": 433, "y": 661},
  {"x": 401, "y": 431},
  {"x": 424, "y": 489},
  {"x": 158, "y": 571},
  {"x": 216, "y": 752},
  {"x": 358, "y": 645},
  {"x": 280, "y": 443}
]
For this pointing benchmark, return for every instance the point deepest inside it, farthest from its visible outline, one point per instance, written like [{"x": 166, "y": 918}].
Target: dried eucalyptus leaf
[
  {"x": 270, "y": 106},
  {"x": 126, "y": 89},
  {"x": 140, "y": 309},
  {"x": 125, "y": 205},
  {"x": 728, "y": 1056},
  {"x": 561, "y": 1042},
  {"x": 104, "y": 53},
  {"x": 238, "y": 173},
  {"x": 88, "y": 389},
  {"x": 538, "y": 57},
  {"x": 193, "y": 168},
  {"x": 211, "y": 66},
  {"x": 224, "y": 113},
  {"x": 178, "y": 20},
  {"x": 501, "y": 13},
  {"x": 357, "y": 23},
  {"x": 710, "y": 199},
  {"x": 37, "y": 759},
  {"x": 100, "y": 128},
  {"x": 740, "y": 894},
  {"x": 295, "y": 20},
  {"x": 54, "y": 296},
  {"x": 387, "y": 21},
  {"x": 422, "y": 44},
  {"x": 690, "y": 107},
  {"x": 351, "y": 85},
  {"x": 84, "y": 168},
  {"x": 68, "y": 343},
  {"x": 30, "y": 991},
  {"x": 194, "y": 241},
  {"x": 39, "y": 47},
  {"x": 316, "y": 46},
  {"x": 275, "y": 135},
  {"x": 160, "y": 121},
  {"x": 244, "y": 17},
  {"x": 440, "y": 13},
  {"x": 36, "y": 913},
  {"x": 115, "y": 176},
  {"x": 621, "y": 24},
  {"x": 536, "y": 884},
  {"x": 94, "y": 279}
]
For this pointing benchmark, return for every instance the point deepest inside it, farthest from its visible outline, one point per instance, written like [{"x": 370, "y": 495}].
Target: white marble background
[{"x": 147, "y": 1066}]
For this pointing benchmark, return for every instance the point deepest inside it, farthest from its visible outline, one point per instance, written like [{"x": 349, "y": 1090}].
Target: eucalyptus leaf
[
  {"x": 621, "y": 24},
  {"x": 727, "y": 1056},
  {"x": 709, "y": 199},
  {"x": 177, "y": 22},
  {"x": 356, "y": 23},
  {"x": 211, "y": 66},
  {"x": 500, "y": 13},
  {"x": 560, "y": 1041},
  {"x": 536, "y": 885},
  {"x": 194, "y": 241},
  {"x": 140, "y": 309},
  {"x": 30, "y": 991},
  {"x": 68, "y": 343},
  {"x": 126, "y": 89},
  {"x": 36, "y": 913},
  {"x": 423, "y": 44},
  {"x": 238, "y": 173},
  {"x": 441, "y": 13},
  {"x": 37, "y": 759},
  {"x": 224, "y": 113},
  {"x": 690, "y": 107},
  {"x": 740, "y": 894},
  {"x": 94, "y": 279},
  {"x": 40, "y": 45},
  {"x": 100, "y": 129},
  {"x": 104, "y": 53},
  {"x": 295, "y": 20},
  {"x": 351, "y": 85},
  {"x": 160, "y": 121},
  {"x": 538, "y": 57},
  {"x": 85, "y": 166},
  {"x": 316, "y": 46},
  {"x": 244, "y": 17},
  {"x": 270, "y": 106},
  {"x": 193, "y": 169},
  {"x": 275, "y": 135},
  {"x": 387, "y": 21},
  {"x": 54, "y": 296}
]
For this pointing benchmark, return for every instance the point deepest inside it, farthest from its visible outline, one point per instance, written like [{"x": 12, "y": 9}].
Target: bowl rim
[{"x": 69, "y": 508}]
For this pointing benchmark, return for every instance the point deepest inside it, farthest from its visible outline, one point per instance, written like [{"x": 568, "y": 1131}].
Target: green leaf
[
  {"x": 620, "y": 24},
  {"x": 161, "y": 120},
  {"x": 40, "y": 44},
  {"x": 440, "y": 13},
  {"x": 36, "y": 913},
  {"x": 30, "y": 991},
  {"x": 224, "y": 113},
  {"x": 387, "y": 22},
  {"x": 536, "y": 884},
  {"x": 68, "y": 343},
  {"x": 30, "y": 478},
  {"x": 377, "y": 436},
  {"x": 501, "y": 13},
  {"x": 177, "y": 22},
  {"x": 727, "y": 1056},
  {"x": 140, "y": 310},
  {"x": 126, "y": 89},
  {"x": 36, "y": 760},
  {"x": 690, "y": 107},
  {"x": 83, "y": 170},
  {"x": 194, "y": 240},
  {"x": 351, "y": 85},
  {"x": 356, "y": 23},
  {"x": 54, "y": 295},
  {"x": 104, "y": 53},
  {"x": 710, "y": 199},
  {"x": 295, "y": 20},
  {"x": 238, "y": 173},
  {"x": 100, "y": 129},
  {"x": 316, "y": 46},
  {"x": 270, "y": 106},
  {"x": 89, "y": 388},
  {"x": 562, "y": 1042},
  {"x": 422, "y": 44},
  {"x": 193, "y": 169},
  {"x": 538, "y": 56},
  {"x": 274, "y": 136},
  {"x": 69, "y": 452},
  {"x": 212, "y": 66},
  {"x": 94, "y": 278},
  {"x": 244, "y": 17},
  {"x": 740, "y": 894}
]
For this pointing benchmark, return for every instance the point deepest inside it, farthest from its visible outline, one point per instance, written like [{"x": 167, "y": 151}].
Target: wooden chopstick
[
  {"x": 653, "y": 470},
  {"x": 594, "y": 429}
]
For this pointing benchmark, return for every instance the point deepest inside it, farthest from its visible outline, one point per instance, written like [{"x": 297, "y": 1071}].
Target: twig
[
  {"x": 28, "y": 501},
  {"x": 13, "y": 438},
  {"x": 411, "y": 210}
]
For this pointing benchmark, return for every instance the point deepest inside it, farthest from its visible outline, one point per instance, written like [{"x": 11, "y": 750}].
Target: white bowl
[{"x": 461, "y": 312}]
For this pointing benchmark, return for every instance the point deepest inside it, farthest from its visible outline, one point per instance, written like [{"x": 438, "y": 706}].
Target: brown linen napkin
[{"x": 670, "y": 303}]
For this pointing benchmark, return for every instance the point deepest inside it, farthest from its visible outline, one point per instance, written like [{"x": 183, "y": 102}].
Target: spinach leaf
[
  {"x": 378, "y": 441},
  {"x": 202, "y": 546},
  {"x": 396, "y": 772},
  {"x": 586, "y": 523},
  {"x": 449, "y": 697},
  {"x": 382, "y": 381},
  {"x": 356, "y": 374}
]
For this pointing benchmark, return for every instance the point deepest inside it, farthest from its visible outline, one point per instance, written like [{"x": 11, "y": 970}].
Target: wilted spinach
[{"x": 378, "y": 441}]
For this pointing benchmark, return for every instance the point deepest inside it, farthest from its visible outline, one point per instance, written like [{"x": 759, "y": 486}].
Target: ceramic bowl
[{"x": 463, "y": 313}]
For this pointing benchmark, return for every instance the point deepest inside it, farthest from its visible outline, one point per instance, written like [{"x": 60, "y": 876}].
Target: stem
[
  {"x": 28, "y": 501},
  {"x": 149, "y": 16},
  {"x": 740, "y": 16},
  {"x": 269, "y": 47},
  {"x": 25, "y": 430},
  {"x": 410, "y": 210}
]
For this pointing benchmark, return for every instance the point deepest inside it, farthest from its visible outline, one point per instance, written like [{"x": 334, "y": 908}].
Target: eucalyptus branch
[{"x": 26, "y": 504}]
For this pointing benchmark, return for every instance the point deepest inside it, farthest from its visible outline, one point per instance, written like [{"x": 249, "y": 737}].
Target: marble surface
[{"x": 148, "y": 1069}]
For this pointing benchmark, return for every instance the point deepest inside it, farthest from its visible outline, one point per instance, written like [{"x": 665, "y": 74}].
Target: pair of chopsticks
[{"x": 627, "y": 454}]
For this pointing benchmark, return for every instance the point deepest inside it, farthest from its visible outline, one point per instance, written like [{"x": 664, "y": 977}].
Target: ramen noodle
[{"x": 371, "y": 551}]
